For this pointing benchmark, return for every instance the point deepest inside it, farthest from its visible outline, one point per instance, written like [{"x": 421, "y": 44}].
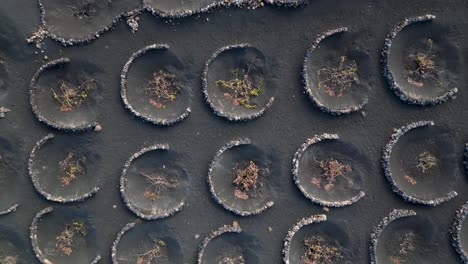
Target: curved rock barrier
[
  {"x": 250, "y": 63},
  {"x": 345, "y": 103},
  {"x": 142, "y": 107},
  {"x": 164, "y": 183},
  {"x": 221, "y": 187},
  {"x": 130, "y": 15},
  {"x": 312, "y": 190},
  {"x": 404, "y": 91},
  {"x": 423, "y": 158}
]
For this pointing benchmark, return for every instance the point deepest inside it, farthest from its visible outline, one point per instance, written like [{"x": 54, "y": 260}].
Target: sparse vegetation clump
[
  {"x": 423, "y": 66},
  {"x": 232, "y": 260},
  {"x": 319, "y": 252},
  {"x": 71, "y": 96},
  {"x": 83, "y": 9},
  {"x": 242, "y": 88},
  {"x": 331, "y": 170},
  {"x": 406, "y": 244},
  {"x": 163, "y": 88},
  {"x": 158, "y": 183},
  {"x": 335, "y": 80},
  {"x": 155, "y": 255},
  {"x": 8, "y": 260},
  {"x": 66, "y": 241},
  {"x": 247, "y": 179},
  {"x": 71, "y": 168},
  {"x": 426, "y": 161}
]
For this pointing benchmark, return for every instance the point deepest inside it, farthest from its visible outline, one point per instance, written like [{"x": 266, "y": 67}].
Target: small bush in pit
[
  {"x": 71, "y": 168},
  {"x": 66, "y": 242},
  {"x": 83, "y": 9},
  {"x": 242, "y": 88},
  {"x": 247, "y": 179},
  {"x": 319, "y": 252},
  {"x": 426, "y": 161},
  {"x": 158, "y": 183},
  {"x": 162, "y": 89},
  {"x": 335, "y": 80},
  {"x": 331, "y": 170},
  {"x": 423, "y": 66},
  {"x": 155, "y": 255},
  {"x": 406, "y": 243},
  {"x": 71, "y": 96},
  {"x": 232, "y": 260}
]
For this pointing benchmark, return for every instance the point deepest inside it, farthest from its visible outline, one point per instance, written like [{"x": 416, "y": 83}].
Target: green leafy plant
[
  {"x": 71, "y": 168},
  {"x": 335, "y": 80},
  {"x": 242, "y": 88},
  {"x": 162, "y": 89},
  {"x": 320, "y": 252},
  {"x": 71, "y": 96}
]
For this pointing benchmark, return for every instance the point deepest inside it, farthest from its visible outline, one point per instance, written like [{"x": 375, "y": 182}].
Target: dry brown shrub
[
  {"x": 155, "y": 255},
  {"x": 158, "y": 183},
  {"x": 332, "y": 169},
  {"x": 247, "y": 179},
  {"x": 335, "y": 80},
  {"x": 320, "y": 252},
  {"x": 422, "y": 66},
  {"x": 65, "y": 242},
  {"x": 426, "y": 161}
]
